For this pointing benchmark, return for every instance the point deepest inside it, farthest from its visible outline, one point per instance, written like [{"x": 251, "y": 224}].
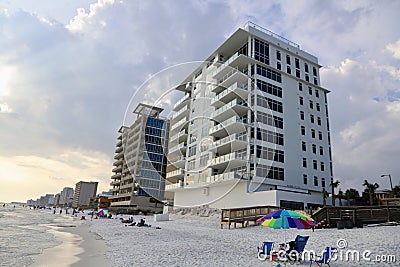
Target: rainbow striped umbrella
[{"x": 285, "y": 219}]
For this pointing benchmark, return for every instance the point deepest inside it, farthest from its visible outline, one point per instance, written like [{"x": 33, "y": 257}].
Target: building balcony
[
  {"x": 233, "y": 142},
  {"x": 113, "y": 183},
  {"x": 235, "y": 107},
  {"x": 121, "y": 203},
  {"x": 180, "y": 125},
  {"x": 232, "y": 125},
  {"x": 236, "y": 90},
  {"x": 118, "y": 149},
  {"x": 118, "y": 162},
  {"x": 128, "y": 194},
  {"x": 181, "y": 102},
  {"x": 181, "y": 113},
  {"x": 115, "y": 189},
  {"x": 228, "y": 176},
  {"x": 233, "y": 76},
  {"x": 117, "y": 169},
  {"x": 178, "y": 148},
  {"x": 179, "y": 173},
  {"x": 125, "y": 186},
  {"x": 119, "y": 155},
  {"x": 179, "y": 137},
  {"x": 234, "y": 160},
  {"x": 178, "y": 162},
  {"x": 116, "y": 176},
  {"x": 119, "y": 143},
  {"x": 235, "y": 61},
  {"x": 174, "y": 187}
]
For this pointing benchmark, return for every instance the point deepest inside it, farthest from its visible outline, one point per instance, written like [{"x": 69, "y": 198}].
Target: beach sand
[
  {"x": 80, "y": 247},
  {"x": 195, "y": 241}
]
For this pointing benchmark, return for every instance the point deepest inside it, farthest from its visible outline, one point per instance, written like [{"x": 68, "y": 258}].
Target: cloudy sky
[{"x": 69, "y": 68}]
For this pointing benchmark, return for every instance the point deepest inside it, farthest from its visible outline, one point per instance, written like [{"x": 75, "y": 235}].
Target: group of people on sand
[{"x": 141, "y": 223}]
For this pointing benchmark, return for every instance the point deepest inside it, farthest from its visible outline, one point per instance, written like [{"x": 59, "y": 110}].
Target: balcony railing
[
  {"x": 174, "y": 186},
  {"x": 180, "y": 101},
  {"x": 229, "y": 176},
  {"x": 234, "y": 119},
  {"x": 175, "y": 173},
  {"x": 177, "y": 147},
  {"x": 229, "y": 157},
  {"x": 176, "y": 136},
  {"x": 235, "y": 102},
  {"x": 226, "y": 63},
  {"x": 178, "y": 124},
  {"x": 182, "y": 110},
  {"x": 230, "y": 89},
  {"x": 230, "y": 73},
  {"x": 233, "y": 137}
]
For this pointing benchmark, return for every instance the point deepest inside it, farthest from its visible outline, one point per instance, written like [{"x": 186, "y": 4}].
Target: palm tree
[
  {"x": 334, "y": 185},
  {"x": 324, "y": 196},
  {"x": 352, "y": 194},
  {"x": 370, "y": 190},
  {"x": 340, "y": 196}
]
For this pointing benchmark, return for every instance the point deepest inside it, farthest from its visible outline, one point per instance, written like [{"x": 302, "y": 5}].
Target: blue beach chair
[
  {"x": 326, "y": 257},
  {"x": 264, "y": 252},
  {"x": 298, "y": 248}
]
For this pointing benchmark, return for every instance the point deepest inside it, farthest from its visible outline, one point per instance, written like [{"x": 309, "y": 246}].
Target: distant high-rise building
[
  {"x": 57, "y": 199},
  {"x": 138, "y": 182},
  {"x": 252, "y": 127},
  {"x": 83, "y": 192},
  {"x": 66, "y": 196}
]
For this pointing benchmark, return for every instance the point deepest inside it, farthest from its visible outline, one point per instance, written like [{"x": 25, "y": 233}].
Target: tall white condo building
[{"x": 252, "y": 128}]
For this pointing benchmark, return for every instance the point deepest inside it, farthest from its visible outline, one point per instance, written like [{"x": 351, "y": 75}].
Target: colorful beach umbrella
[
  {"x": 102, "y": 212},
  {"x": 285, "y": 219}
]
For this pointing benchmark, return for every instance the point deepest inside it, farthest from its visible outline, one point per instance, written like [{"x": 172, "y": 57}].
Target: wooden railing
[
  {"x": 244, "y": 216},
  {"x": 328, "y": 217}
]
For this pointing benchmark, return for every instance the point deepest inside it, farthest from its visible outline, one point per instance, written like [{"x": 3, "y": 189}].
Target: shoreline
[{"x": 79, "y": 247}]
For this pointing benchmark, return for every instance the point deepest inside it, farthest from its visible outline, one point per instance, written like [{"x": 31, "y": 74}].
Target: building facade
[
  {"x": 252, "y": 127},
  {"x": 66, "y": 197},
  {"x": 83, "y": 192},
  {"x": 138, "y": 182}
]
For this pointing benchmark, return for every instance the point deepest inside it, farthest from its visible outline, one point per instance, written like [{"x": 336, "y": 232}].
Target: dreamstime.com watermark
[{"x": 340, "y": 253}]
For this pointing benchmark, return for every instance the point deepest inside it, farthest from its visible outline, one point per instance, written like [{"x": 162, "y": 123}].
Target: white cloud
[{"x": 395, "y": 49}]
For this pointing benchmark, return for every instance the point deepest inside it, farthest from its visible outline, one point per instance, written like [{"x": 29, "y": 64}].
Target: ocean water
[{"x": 24, "y": 232}]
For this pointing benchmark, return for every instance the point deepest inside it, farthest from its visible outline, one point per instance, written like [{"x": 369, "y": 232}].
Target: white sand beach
[{"x": 195, "y": 241}]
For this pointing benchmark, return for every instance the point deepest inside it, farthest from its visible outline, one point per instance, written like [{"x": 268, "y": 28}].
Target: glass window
[
  {"x": 320, "y": 135},
  {"x": 288, "y": 70},
  {"x": 288, "y": 59},
  {"x": 261, "y": 52},
  {"x": 278, "y": 66},
  {"x": 319, "y": 121},
  {"x": 309, "y": 90},
  {"x": 311, "y": 104},
  {"x": 297, "y": 63},
  {"x": 315, "y": 71},
  {"x": 303, "y": 130},
  {"x": 317, "y": 93},
  {"x": 322, "y": 166},
  {"x": 302, "y": 115},
  {"x": 301, "y": 100},
  {"x": 303, "y": 146},
  {"x": 304, "y": 178},
  {"x": 297, "y": 73},
  {"x": 314, "y": 149},
  {"x": 315, "y": 164},
  {"x": 307, "y": 78},
  {"x": 315, "y": 181},
  {"x": 312, "y": 118},
  {"x": 306, "y": 67},
  {"x": 321, "y": 150},
  {"x": 305, "y": 162},
  {"x": 278, "y": 55},
  {"x": 312, "y": 133},
  {"x": 318, "y": 107},
  {"x": 323, "y": 182},
  {"x": 300, "y": 87}
]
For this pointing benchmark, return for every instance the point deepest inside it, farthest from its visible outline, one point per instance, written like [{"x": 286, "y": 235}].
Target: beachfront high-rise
[
  {"x": 83, "y": 192},
  {"x": 252, "y": 127},
  {"x": 138, "y": 182}
]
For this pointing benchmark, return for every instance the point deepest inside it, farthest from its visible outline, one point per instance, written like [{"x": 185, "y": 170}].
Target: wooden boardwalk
[
  {"x": 328, "y": 217},
  {"x": 244, "y": 216}
]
